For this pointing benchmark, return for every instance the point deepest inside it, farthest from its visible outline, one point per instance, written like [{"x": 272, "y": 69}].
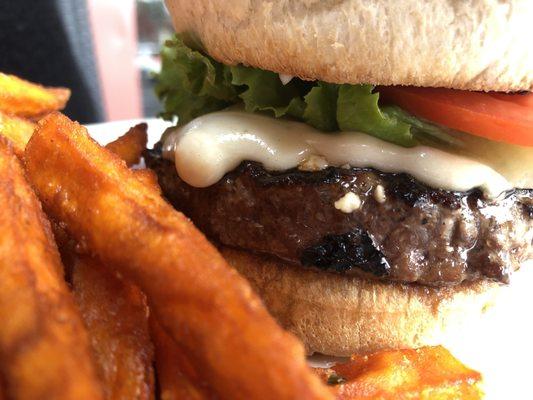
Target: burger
[{"x": 366, "y": 164}]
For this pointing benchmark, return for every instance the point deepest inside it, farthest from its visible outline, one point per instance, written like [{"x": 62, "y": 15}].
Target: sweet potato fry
[
  {"x": 17, "y": 130},
  {"x": 425, "y": 373},
  {"x": 44, "y": 350},
  {"x": 149, "y": 178},
  {"x": 202, "y": 303},
  {"x": 130, "y": 146},
  {"x": 116, "y": 316},
  {"x": 176, "y": 377},
  {"x": 30, "y": 100}
]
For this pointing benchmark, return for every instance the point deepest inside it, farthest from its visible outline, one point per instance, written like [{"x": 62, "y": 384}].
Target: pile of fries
[{"x": 105, "y": 289}]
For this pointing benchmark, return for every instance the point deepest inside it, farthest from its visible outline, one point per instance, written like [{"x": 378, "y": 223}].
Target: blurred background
[{"x": 104, "y": 51}]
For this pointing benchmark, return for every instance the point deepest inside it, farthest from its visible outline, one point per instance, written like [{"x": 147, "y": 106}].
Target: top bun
[{"x": 461, "y": 44}]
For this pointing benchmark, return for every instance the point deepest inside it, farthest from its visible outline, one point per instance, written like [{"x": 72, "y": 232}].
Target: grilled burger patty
[{"x": 394, "y": 229}]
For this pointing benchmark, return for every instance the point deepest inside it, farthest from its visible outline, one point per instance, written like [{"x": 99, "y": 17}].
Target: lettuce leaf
[
  {"x": 265, "y": 92},
  {"x": 358, "y": 110},
  {"x": 191, "y": 84},
  {"x": 321, "y": 106}
]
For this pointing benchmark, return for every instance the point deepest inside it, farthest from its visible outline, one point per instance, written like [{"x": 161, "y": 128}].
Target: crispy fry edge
[{"x": 129, "y": 147}]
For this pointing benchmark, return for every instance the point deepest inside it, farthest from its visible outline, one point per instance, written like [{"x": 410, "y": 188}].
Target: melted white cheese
[{"x": 212, "y": 145}]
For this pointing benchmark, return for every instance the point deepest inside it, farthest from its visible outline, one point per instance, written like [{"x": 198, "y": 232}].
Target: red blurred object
[{"x": 114, "y": 31}]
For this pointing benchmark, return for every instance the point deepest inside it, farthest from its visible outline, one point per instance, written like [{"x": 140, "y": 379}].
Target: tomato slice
[
  {"x": 523, "y": 99},
  {"x": 496, "y": 116}
]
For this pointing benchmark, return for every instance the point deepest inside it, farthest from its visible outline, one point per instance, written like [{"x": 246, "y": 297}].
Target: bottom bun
[{"x": 486, "y": 325}]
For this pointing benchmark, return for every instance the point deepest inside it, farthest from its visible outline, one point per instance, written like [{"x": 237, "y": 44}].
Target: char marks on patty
[{"x": 402, "y": 230}]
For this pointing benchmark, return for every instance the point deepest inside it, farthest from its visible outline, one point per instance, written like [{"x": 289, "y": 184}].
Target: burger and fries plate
[{"x": 109, "y": 291}]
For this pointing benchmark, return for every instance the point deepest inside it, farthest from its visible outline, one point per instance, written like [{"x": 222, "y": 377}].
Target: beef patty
[{"x": 397, "y": 229}]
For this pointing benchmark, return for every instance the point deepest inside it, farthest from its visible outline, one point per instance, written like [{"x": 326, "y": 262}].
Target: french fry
[
  {"x": 44, "y": 350},
  {"x": 176, "y": 377},
  {"x": 116, "y": 316},
  {"x": 17, "y": 130},
  {"x": 204, "y": 305},
  {"x": 149, "y": 178},
  {"x": 30, "y": 100},
  {"x": 431, "y": 373},
  {"x": 130, "y": 146}
]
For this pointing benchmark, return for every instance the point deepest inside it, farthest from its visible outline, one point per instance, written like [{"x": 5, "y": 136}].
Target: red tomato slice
[
  {"x": 496, "y": 116},
  {"x": 523, "y": 99}
]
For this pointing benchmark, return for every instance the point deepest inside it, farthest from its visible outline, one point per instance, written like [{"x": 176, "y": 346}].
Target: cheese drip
[{"x": 208, "y": 147}]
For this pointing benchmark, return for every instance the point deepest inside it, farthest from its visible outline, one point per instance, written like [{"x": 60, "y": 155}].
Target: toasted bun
[
  {"x": 340, "y": 315},
  {"x": 483, "y": 323},
  {"x": 473, "y": 45}
]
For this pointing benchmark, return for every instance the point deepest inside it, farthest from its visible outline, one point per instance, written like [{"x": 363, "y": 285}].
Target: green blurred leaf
[{"x": 191, "y": 84}]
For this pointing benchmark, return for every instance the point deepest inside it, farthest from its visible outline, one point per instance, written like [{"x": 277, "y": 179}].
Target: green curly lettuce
[
  {"x": 265, "y": 92},
  {"x": 191, "y": 84}
]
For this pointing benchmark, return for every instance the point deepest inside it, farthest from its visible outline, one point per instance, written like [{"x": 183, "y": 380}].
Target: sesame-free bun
[
  {"x": 340, "y": 315},
  {"x": 486, "y": 325},
  {"x": 461, "y": 44}
]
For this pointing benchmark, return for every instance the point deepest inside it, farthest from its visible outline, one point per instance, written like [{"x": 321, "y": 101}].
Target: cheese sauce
[{"x": 208, "y": 147}]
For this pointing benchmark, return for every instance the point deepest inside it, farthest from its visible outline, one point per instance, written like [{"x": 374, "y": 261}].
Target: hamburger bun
[
  {"x": 471, "y": 45},
  {"x": 341, "y": 315},
  {"x": 483, "y": 323}
]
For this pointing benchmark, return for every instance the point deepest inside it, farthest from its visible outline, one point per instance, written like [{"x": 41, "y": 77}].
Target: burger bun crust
[
  {"x": 484, "y": 324},
  {"x": 341, "y": 315},
  {"x": 472, "y": 45}
]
